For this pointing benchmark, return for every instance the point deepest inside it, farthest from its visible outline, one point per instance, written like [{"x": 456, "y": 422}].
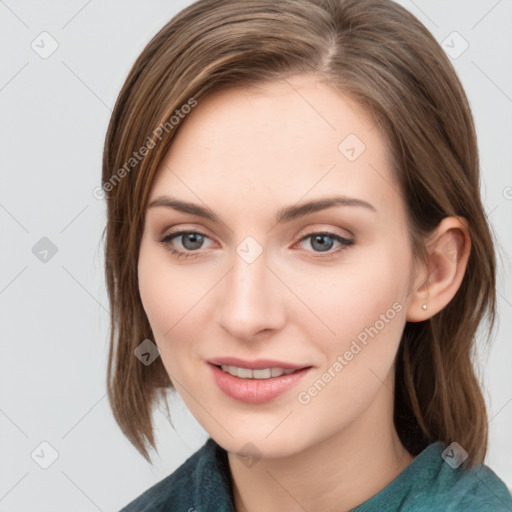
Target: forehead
[
  {"x": 288, "y": 138},
  {"x": 286, "y": 113}
]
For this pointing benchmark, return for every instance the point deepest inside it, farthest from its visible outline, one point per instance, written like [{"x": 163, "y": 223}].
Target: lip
[
  {"x": 256, "y": 391},
  {"x": 257, "y": 364}
]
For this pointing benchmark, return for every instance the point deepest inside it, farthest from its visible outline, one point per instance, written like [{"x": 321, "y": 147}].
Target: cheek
[
  {"x": 163, "y": 294},
  {"x": 151, "y": 291},
  {"x": 166, "y": 291},
  {"x": 364, "y": 306},
  {"x": 354, "y": 297},
  {"x": 163, "y": 308},
  {"x": 174, "y": 302},
  {"x": 368, "y": 320}
]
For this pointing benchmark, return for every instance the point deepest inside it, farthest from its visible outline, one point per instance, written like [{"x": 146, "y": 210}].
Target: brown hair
[{"x": 381, "y": 56}]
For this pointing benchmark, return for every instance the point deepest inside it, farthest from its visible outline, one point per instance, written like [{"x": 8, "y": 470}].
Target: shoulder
[
  {"x": 437, "y": 479},
  {"x": 459, "y": 489},
  {"x": 479, "y": 489},
  {"x": 202, "y": 476},
  {"x": 172, "y": 489}
]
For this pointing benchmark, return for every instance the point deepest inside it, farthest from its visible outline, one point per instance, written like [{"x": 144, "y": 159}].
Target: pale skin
[{"x": 244, "y": 154}]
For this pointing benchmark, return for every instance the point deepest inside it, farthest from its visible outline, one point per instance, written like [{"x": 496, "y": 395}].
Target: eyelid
[
  {"x": 309, "y": 233},
  {"x": 180, "y": 229},
  {"x": 176, "y": 234},
  {"x": 312, "y": 230},
  {"x": 320, "y": 228}
]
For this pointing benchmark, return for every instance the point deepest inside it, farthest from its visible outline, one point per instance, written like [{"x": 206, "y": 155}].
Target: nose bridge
[{"x": 248, "y": 302}]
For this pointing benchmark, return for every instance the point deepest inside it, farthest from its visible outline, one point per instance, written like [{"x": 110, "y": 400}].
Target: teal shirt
[{"x": 429, "y": 484}]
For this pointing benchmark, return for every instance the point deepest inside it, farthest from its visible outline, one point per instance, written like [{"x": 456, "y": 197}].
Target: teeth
[
  {"x": 276, "y": 372},
  {"x": 247, "y": 373},
  {"x": 265, "y": 373}
]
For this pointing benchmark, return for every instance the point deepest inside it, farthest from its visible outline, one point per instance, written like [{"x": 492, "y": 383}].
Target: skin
[{"x": 244, "y": 154}]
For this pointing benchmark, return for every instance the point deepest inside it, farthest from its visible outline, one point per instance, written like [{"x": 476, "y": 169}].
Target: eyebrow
[{"x": 285, "y": 214}]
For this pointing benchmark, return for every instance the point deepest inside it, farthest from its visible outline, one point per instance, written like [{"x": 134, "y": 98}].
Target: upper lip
[{"x": 256, "y": 364}]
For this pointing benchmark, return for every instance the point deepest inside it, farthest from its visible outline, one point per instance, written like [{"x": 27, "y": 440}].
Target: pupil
[
  {"x": 195, "y": 240},
  {"x": 321, "y": 239}
]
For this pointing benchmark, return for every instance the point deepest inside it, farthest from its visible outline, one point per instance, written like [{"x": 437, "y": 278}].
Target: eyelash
[{"x": 345, "y": 242}]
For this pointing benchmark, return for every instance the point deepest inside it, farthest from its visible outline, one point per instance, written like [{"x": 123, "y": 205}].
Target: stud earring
[{"x": 424, "y": 305}]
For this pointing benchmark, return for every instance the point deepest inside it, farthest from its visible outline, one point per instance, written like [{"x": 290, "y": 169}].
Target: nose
[{"x": 251, "y": 299}]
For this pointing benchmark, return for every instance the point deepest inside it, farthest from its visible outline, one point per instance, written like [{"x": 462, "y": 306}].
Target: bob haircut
[{"x": 384, "y": 59}]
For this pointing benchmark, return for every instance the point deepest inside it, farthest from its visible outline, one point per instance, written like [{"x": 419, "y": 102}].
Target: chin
[{"x": 257, "y": 447}]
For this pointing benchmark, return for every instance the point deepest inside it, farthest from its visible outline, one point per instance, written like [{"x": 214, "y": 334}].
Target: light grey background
[{"x": 55, "y": 112}]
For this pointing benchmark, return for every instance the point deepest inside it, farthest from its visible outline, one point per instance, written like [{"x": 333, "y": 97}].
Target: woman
[{"x": 296, "y": 244}]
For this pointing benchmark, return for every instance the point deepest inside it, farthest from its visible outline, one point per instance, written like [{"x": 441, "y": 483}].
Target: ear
[{"x": 435, "y": 286}]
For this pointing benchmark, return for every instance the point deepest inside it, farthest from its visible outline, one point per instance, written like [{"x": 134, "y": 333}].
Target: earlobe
[
  {"x": 448, "y": 256},
  {"x": 418, "y": 308}
]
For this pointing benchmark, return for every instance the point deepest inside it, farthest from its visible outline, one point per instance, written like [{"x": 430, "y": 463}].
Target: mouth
[
  {"x": 255, "y": 382},
  {"x": 256, "y": 369},
  {"x": 248, "y": 373}
]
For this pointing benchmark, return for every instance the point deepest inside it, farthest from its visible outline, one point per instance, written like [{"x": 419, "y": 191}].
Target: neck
[{"x": 333, "y": 475}]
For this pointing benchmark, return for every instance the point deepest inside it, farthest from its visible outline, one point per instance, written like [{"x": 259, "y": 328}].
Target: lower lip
[{"x": 255, "y": 391}]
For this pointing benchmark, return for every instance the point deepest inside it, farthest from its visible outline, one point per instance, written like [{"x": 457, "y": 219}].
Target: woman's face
[{"x": 263, "y": 283}]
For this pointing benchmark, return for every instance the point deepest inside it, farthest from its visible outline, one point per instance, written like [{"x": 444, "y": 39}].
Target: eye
[
  {"x": 323, "y": 242},
  {"x": 192, "y": 241}
]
